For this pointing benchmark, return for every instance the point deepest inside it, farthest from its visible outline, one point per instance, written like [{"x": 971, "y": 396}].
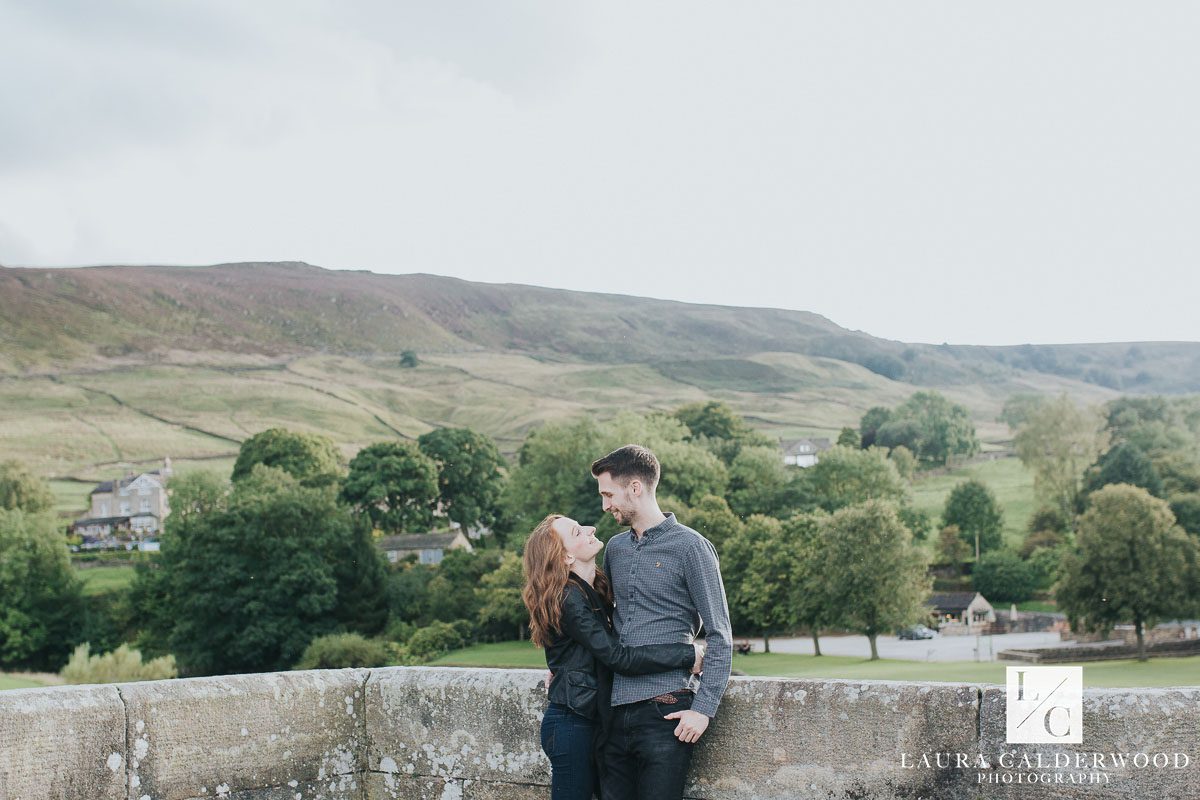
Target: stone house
[
  {"x": 965, "y": 613},
  {"x": 135, "y": 504},
  {"x": 430, "y": 548}
]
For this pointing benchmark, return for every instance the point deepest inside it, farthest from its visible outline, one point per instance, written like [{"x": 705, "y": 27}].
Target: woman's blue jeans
[{"x": 567, "y": 741}]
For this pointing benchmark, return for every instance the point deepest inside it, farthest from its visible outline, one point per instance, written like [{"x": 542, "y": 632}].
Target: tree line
[{"x": 278, "y": 564}]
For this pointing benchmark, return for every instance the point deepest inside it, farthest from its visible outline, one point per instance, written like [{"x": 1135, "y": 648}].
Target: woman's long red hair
[{"x": 546, "y": 576}]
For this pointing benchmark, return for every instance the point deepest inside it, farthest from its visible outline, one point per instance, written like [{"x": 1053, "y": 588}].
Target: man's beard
[{"x": 622, "y": 516}]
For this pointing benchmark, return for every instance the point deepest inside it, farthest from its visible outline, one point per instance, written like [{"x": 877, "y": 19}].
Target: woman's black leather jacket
[{"x": 587, "y": 647}]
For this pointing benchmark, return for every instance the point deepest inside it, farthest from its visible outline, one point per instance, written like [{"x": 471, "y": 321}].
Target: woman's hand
[{"x": 698, "y": 667}]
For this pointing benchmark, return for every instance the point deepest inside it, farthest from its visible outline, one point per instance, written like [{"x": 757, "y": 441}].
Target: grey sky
[{"x": 963, "y": 172}]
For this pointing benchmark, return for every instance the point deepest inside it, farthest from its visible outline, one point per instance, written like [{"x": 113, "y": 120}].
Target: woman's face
[{"x": 579, "y": 540}]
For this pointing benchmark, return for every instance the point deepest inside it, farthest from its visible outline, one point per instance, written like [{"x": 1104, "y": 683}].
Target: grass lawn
[
  {"x": 1156, "y": 672},
  {"x": 25, "y": 680},
  {"x": 1006, "y": 477},
  {"x": 1038, "y": 605},
  {"x": 98, "y": 580}
]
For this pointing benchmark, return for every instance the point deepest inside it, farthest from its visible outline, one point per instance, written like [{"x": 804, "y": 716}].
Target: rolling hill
[
  {"x": 59, "y": 317},
  {"x": 102, "y": 367}
]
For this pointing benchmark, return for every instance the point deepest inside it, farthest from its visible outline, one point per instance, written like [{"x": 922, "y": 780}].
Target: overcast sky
[{"x": 974, "y": 173}]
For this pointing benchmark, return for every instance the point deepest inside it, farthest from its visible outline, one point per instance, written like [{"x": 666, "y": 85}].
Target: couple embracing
[{"x": 627, "y": 698}]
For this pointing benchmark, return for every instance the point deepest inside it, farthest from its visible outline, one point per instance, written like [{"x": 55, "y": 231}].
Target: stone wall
[{"x": 472, "y": 734}]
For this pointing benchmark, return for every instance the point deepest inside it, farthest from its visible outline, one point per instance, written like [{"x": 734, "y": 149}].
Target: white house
[{"x": 804, "y": 452}]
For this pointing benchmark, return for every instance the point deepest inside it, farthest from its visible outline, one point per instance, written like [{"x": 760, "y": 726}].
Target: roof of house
[
  {"x": 106, "y": 487},
  {"x": 952, "y": 601},
  {"x": 419, "y": 541},
  {"x": 801, "y": 446},
  {"x": 102, "y": 520}
]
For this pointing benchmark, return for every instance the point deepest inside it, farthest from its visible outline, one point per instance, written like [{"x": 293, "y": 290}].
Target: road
[{"x": 939, "y": 648}]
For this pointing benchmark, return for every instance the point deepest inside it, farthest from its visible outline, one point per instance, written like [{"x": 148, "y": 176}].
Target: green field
[
  {"x": 99, "y": 580},
  {"x": 25, "y": 680},
  {"x": 1156, "y": 672},
  {"x": 1008, "y": 478}
]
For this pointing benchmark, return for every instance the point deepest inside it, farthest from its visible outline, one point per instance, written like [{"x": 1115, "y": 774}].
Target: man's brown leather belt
[{"x": 672, "y": 698}]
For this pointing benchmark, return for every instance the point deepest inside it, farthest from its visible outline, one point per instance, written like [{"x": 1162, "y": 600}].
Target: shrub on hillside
[
  {"x": 121, "y": 665},
  {"x": 342, "y": 650}
]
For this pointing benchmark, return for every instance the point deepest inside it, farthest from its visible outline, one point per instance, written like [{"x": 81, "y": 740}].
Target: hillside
[
  {"x": 103, "y": 368},
  {"x": 61, "y": 317}
]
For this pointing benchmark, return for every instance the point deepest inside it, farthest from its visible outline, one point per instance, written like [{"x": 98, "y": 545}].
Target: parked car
[{"x": 916, "y": 632}]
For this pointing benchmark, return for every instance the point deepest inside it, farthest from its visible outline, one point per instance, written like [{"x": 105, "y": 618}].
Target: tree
[
  {"x": 719, "y": 429},
  {"x": 871, "y": 422},
  {"x": 905, "y": 461},
  {"x": 1018, "y": 408},
  {"x": 195, "y": 493},
  {"x": 811, "y": 591},
  {"x": 1186, "y": 508},
  {"x": 713, "y": 519},
  {"x": 763, "y": 592},
  {"x": 878, "y": 578},
  {"x": 1123, "y": 463},
  {"x": 848, "y": 437},
  {"x": 735, "y": 564},
  {"x": 452, "y": 593},
  {"x": 20, "y": 488},
  {"x": 246, "y": 587},
  {"x": 1057, "y": 442},
  {"x": 310, "y": 458},
  {"x": 41, "y": 602},
  {"x": 1048, "y": 518},
  {"x": 1131, "y": 563},
  {"x": 845, "y": 477},
  {"x": 408, "y": 359},
  {"x": 689, "y": 472},
  {"x": 973, "y": 508},
  {"x": 499, "y": 594},
  {"x": 758, "y": 481},
  {"x": 1001, "y": 576},
  {"x": 469, "y": 475},
  {"x": 951, "y": 548},
  {"x": 553, "y": 474},
  {"x": 934, "y": 428},
  {"x": 395, "y": 485}
]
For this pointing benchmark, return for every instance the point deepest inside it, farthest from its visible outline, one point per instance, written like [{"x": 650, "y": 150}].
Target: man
[{"x": 667, "y": 583}]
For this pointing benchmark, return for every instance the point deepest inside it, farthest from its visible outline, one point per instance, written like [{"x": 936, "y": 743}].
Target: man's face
[{"x": 617, "y": 499}]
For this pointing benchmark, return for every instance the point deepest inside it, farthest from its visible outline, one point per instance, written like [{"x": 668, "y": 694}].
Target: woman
[{"x": 570, "y": 609}]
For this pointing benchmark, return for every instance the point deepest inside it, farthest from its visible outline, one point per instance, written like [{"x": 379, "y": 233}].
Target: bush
[
  {"x": 1048, "y": 518},
  {"x": 121, "y": 665},
  {"x": 436, "y": 639},
  {"x": 1039, "y": 540},
  {"x": 1002, "y": 577},
  {"x": 342, "y": 650},
  {"x": 1044, "y": 563}
]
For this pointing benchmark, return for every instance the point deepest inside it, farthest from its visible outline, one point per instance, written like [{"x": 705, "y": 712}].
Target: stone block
[
  {"x": 62, "y": 742},
  {"x": 457, "y": 724},
  {"x": 239, "y": 736},
  {"x": 1115, "y": 721},
  {"x": 778, "y": 739}
]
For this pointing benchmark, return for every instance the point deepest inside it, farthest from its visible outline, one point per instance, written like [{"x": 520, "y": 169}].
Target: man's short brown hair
[{"x": 629, "y": 462}]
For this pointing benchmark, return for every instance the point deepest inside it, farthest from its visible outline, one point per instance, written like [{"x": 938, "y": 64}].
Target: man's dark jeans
[{"x": 642, "y": 758}]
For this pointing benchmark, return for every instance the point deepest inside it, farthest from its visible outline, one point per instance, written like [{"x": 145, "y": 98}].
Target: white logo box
[{"x": 1044, "y": 705}]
